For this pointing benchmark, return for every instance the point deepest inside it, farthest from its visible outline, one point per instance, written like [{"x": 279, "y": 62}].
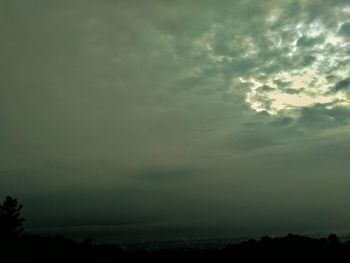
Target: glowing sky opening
[{"x": 324, "y": 52}]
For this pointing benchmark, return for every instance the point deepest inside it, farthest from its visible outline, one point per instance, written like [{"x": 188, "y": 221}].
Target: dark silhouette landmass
[{"x": 18, "y": 247}]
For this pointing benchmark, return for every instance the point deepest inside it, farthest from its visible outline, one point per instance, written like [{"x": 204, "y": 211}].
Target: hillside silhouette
[{"x": 16, "y": 245}]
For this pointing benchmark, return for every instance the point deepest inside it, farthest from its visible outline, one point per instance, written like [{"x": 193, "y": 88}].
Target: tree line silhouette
[{"x": 16, "y": 245}]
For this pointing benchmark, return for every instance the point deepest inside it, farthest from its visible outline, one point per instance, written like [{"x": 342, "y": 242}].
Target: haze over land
[{"x": 170, "y": 119}]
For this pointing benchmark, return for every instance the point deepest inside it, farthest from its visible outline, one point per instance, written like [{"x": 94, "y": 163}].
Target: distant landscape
[{"x": 15, "y": 244}]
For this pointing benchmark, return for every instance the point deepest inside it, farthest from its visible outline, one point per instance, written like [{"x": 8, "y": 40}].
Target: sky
[{"x": 176, "y": 119}]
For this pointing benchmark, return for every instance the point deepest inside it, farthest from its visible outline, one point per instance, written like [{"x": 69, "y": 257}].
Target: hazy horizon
[{"x": 177, "y": 118}]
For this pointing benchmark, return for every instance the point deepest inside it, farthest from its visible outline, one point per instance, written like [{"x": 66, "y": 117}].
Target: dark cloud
[
  {"x": 309, "y": 41},
  {"x": 331, "y": 78},
  {"x": 282, "y": 84},
  {"x": 343, "y": 84},
  {"x": 345, "y": 30},
  {"x": 123, "y": 113},
  {"x": 166, "y": 175},
  {"x": 265, "y": 88},
  {"x": 321, "y": 116},
  {"x": 252, "y": 141},
  {"x": 293, "y": 91}
]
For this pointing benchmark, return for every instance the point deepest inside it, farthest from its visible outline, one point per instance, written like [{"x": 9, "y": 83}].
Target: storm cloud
[{"x": 221, "y": 118}]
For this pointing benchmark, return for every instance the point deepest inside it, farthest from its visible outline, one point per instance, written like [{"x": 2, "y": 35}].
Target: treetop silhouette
[{"x": 11, "y": 221}]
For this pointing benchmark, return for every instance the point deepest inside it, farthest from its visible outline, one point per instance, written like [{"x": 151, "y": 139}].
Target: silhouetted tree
[
  {"x": 10, "y": 219},
  {"x": 333, "y": 239}
]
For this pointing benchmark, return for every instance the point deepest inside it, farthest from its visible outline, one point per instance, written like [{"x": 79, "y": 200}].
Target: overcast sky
[{"x": 203, "y": 117}]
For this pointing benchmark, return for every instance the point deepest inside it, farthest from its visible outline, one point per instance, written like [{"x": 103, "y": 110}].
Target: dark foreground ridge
[
  {"x": 290, "y": 247},
  {"x": 15, "y": 246}
]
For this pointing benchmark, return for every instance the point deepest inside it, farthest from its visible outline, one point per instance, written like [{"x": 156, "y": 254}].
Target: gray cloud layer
[{"x": 116, "y": 112}]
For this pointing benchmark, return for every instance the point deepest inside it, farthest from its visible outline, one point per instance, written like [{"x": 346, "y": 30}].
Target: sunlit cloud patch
[{"x": 319, "y": 77}]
